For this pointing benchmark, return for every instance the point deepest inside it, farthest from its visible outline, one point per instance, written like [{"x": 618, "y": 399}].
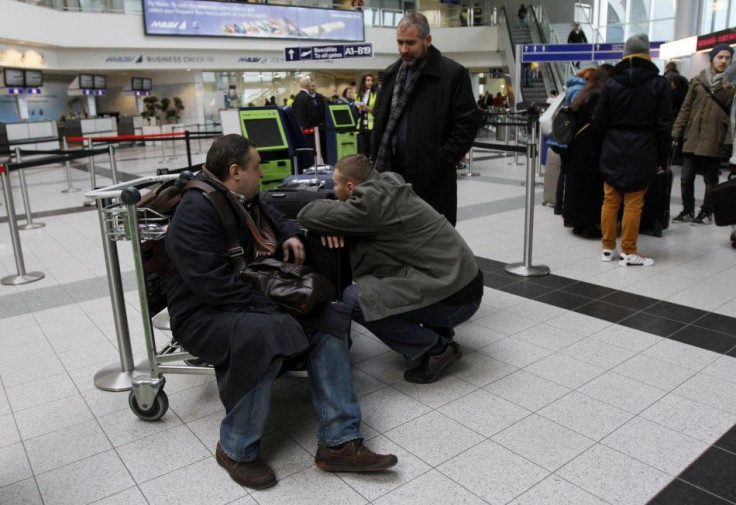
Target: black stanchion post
[
  {"x": 30, "y": 225},
  {"x": 23, "y": 277},
  {"x": 189, "y": 147},
  {"x": 68, "y": 167},
  {"x": 526, "y": 269}
]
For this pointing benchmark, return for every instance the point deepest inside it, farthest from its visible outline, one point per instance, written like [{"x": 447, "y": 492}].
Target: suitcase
[
  {"x": 655, "y": 216},
  {"x": 551, "y": 175},
  {"x": 321, "y": 172},
  {"x": 723, "y": 196},
  {"x": 289, "y": 201}
]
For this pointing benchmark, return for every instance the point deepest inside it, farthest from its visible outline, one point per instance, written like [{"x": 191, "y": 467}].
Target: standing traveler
[
  {"x": 522, "y": 16},
  {"x": 366, "y": 101},
  {"x": 426, "y": 117},
  {"x": 702, "y": 128},
  {"x": 634, "y": 112},
  {"x": 583, "y": 182}
]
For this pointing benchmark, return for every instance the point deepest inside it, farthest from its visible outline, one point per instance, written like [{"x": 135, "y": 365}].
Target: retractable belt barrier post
[
  {"x": 113, "y": 164},
  {"x": 187, "y": 142},
  {"x": 22, "y": 277},
  {"x": 116, "y": 377},
  {"x": 526, "y": 269},
  {"x": 92, "y": 175},
  {"x": 470, "y": 172},
  {"x": 68, "y": 168},
  {"x": 30, "y": 225}
]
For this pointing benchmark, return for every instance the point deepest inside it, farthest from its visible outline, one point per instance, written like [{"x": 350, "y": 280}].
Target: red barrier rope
[{"x": 127, "y": 137}]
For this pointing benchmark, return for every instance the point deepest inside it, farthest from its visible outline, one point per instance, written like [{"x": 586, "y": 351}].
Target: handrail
[{"x": 560, "y": 70}]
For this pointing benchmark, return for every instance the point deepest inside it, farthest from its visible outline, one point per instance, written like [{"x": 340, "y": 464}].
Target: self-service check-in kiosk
[
  {"x": 264, "y": 126},
  {"x": 342, "y": 136}
]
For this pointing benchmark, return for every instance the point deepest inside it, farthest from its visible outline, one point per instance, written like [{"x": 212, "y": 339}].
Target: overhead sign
[
  {"x": 332, "y": 52},
  {"x": 250, "y": 20},
  {"x": 711, "y": 40},
  {"x": 578, "y": 52}
]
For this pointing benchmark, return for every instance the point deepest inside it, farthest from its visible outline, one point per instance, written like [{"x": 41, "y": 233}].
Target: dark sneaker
[
  {"x": 253, "y": 474},
  {"x": 352, "y": 457},
  {"x": 433, "y": 364},
  {"x": 702, "y": 219},
  {"x": 683, "y": 217}
]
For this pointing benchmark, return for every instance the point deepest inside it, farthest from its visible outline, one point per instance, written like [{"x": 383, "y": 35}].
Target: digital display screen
[
  {"x": 147, "y": 83},
  {"x": 206, "y": 18},
  {"x": 342, "y": 117},
  {"x": 13, "y": 78},
  {"x": 136, "y": 84},
  {"x": 86, "y": 81},
  {"x": 100, "y": 82},
  {"x": 266, "y": 132},
  {"x": 34, "y": 78}
]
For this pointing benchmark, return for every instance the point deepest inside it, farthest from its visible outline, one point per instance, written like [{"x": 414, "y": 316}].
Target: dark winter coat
[
  {"x": 634, "y": 112},
  {"x": 583, "y": 183},
  {"x": 306, "y": 112},
  {"x": 214, "y": 314},
  {"x": 443, "y": 120}
]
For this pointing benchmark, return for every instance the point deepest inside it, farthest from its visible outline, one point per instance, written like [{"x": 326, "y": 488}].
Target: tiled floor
[{"x": 595, "y": 384}]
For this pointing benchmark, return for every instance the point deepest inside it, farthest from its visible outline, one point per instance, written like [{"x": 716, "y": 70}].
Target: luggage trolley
[{"x": 122, "y": 220}]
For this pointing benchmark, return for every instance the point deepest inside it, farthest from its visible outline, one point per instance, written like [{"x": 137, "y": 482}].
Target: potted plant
[{"x": 150, "y": 108}]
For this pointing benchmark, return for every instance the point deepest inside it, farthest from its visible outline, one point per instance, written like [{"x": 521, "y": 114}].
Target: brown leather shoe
[
  {"x": 433, "y": 364},
  {"x": 253, "y": 474},
  {"x": 352, "y": 457}
]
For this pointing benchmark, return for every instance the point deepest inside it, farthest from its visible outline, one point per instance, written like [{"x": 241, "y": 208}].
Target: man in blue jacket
[{"x": 635, "y": 114}]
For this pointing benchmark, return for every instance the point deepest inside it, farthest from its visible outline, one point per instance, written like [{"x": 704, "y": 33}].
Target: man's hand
[
  {"x": 295, "y": 245},
  {"x": 333, "y": 241}
]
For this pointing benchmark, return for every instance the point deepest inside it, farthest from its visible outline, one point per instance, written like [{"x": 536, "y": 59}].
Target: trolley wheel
[
  {"x": 157, "y": 410},
  {"x": 733, "y": 244}
]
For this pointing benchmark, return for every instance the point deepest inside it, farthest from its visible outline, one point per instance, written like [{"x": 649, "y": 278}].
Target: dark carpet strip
[{"x": 710, "y": 479}]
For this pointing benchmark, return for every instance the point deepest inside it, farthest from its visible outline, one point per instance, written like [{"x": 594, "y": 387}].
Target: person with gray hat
[
  {"x": 702, "y": 127},
  {"x": 634, "y": 112}
]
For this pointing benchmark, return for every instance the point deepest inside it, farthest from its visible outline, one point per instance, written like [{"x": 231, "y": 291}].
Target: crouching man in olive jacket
[{"x": 415, "y": 277}]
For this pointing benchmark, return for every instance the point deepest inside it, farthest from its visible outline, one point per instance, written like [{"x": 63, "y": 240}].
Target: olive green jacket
[
  {"x": 703, "y": 125},
  {"x": 404, "y": 255}
]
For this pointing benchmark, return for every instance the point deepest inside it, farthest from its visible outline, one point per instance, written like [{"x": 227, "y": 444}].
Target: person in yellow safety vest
[{"x": 365, "y": 101}]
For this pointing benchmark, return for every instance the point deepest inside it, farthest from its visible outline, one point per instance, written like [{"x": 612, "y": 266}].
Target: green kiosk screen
[
  {"x": 342, "y": 117},
  {"x": 263, "y": 126}
]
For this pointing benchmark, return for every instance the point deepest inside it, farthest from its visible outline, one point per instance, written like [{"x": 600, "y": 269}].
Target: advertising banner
[{"x": 203, "y": 18}]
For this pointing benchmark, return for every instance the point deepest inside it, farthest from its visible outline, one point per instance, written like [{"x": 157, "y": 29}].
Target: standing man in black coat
[
  {"x": 426, "y": 117},
  {"x": 634, "y": 112},
  {"x": 244, "y": 334}
]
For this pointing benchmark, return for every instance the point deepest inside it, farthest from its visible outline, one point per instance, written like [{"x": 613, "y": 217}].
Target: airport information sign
[
  {"x": 332, "y": 52},
  {"x": 578, "y": 52}
]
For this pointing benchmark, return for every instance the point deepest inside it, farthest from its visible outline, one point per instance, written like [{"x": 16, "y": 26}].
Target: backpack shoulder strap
[{"x": 227, "y": 217}]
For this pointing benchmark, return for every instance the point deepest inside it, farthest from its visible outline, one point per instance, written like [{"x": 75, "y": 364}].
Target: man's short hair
[
  {"x": 225, "y": 151},
  {"x": 354, "y": 168},
  {"x": 305, "y": 81},
  {"x": 415, "y": 18}
]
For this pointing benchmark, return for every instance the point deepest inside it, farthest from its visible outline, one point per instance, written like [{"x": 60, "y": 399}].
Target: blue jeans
[
  {"x": 411, "y": 333},
  {"x": 333, "y": 398}
]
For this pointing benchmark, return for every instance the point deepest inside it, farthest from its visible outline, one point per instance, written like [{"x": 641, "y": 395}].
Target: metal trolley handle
[{"x": 116, "y": 190}]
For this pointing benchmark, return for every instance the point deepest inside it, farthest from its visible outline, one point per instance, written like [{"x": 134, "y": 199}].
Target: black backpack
[{"x": 564, "y": 125}]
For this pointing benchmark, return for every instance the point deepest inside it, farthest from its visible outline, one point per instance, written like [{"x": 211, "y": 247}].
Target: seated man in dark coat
[
  {"x": 216, "y": 316},
  {"x": 415, "y": 277}
]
